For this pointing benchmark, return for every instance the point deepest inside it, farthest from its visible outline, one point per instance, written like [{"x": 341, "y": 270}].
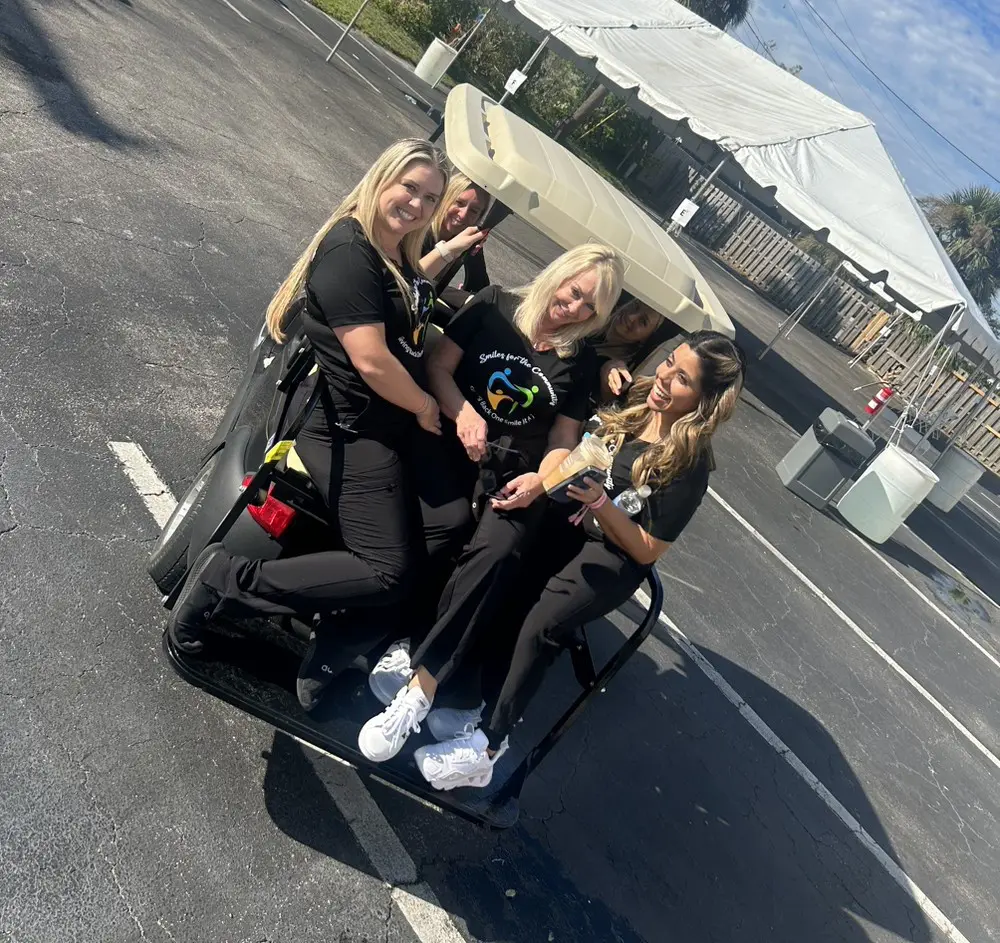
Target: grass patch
[{"x": 376, "y": 24}]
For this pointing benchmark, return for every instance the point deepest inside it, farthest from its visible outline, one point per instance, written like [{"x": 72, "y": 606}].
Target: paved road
[{"x": 161, "y": 165}]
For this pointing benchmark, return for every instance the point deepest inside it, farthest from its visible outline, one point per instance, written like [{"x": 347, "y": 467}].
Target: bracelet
[
  {"x": 599, "y": 503},
  {"x": 426, "y": 406},
  {"x": 444, "y": 252}
]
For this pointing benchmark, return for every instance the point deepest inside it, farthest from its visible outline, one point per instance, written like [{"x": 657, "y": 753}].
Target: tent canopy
[{"x": 823, "y": 161}]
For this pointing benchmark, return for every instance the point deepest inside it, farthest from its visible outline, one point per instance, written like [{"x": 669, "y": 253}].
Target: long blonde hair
[
  {"x": 362, "y": 204},
  {"x": 537, "y": 295},
  {"x": 457, "y": 185},
  {"x": 723, "y": 367}
]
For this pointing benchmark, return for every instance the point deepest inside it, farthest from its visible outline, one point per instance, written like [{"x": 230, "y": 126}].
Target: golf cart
[{"x": 253, "y": 494}]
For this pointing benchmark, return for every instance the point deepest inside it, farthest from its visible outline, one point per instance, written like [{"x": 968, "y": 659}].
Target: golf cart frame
[{"x": 538, "y": 180}]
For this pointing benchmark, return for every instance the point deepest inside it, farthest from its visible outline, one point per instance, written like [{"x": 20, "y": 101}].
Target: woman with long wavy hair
[
  {"x": 366, "y": 311},
  {"x": 587, "y": 561}
]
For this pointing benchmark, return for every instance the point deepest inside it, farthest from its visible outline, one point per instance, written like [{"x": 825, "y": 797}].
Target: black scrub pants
[
  {"x": 480, "y": 577},
  {"x": 376, "y": 517},
  {"x": 567, "y": 580}
]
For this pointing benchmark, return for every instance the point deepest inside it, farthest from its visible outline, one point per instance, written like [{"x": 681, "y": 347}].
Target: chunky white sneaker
[
  {"x": 456, "y": 763},
  {"x": 450, "y": 723},
  {"x": 384, "y": 735},
  {"x": 392, "y": 672}
]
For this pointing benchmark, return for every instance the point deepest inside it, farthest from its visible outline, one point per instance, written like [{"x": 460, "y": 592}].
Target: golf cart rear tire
[{"x": 169, "y": 558}]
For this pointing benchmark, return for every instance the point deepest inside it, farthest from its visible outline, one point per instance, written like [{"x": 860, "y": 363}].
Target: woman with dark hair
[
  {"x": 632, "y": 336},
  {"x": 587, "y": 561}
]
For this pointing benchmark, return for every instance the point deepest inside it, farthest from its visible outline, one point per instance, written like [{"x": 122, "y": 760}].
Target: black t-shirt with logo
[
  {"x": 670, "y": 507},
  {"x": 349, "y": 285},
  {"x": 518, "y": 390}
]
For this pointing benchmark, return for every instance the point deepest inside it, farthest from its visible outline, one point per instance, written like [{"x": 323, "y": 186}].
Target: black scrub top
[
  {"x": 670, "y": 507},
  {"x": 348, "y": 285},
  {"x": 518, "y": 390}
]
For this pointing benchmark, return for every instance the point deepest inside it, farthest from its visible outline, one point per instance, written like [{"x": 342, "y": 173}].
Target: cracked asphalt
[{"x": 161, "y": 164}]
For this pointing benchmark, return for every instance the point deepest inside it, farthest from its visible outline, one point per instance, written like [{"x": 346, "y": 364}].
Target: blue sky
[{"x": 942, "y": 56}]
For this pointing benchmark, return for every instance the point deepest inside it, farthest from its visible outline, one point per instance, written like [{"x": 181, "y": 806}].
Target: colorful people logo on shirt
[{"x": 502, "y": 389}]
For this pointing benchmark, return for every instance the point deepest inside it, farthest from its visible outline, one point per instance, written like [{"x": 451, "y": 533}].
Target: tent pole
[
  {"x": 930, "y": 374},
  {"x": 699, "y": 190},
  {"x": 955, "y": 393},
  {"x": 465, "y": 42},
  {"x": 348, "y": 28},
  {"x": 927, "y": 354},
  {"x": 883, "y": 333},
  {"x": 788, "y": 325},
  {"x": 929, "y": 349},
  {"x": 439, "y": 130},
  {"x": 472, "y": 32},
  {"x": 527, "y": 66},
  {"x": 962, "y": 426}
]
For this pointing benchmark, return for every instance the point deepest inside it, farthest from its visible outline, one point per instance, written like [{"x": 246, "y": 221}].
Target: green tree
[
  {"x": 967, "y": 222},
  {"x": 721, "y": 13}
]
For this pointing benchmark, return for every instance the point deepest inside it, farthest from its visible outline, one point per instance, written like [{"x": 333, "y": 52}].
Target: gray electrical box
[{"x": 827, "y": 455}]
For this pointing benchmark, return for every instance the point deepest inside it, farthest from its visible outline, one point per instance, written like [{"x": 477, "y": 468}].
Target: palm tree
[
  {"x": 720, "y": 13},
  {"x": 967, "y": 222}
]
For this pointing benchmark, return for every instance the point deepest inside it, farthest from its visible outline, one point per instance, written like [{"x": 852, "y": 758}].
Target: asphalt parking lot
[{"x": 806, "y": 750}]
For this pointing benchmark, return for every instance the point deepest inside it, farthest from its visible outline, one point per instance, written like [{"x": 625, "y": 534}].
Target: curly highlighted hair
[{"x": 723, "y": 368}]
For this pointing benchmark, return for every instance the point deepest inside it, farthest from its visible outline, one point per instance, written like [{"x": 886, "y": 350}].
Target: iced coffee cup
[{"x": 590, "y": 459}]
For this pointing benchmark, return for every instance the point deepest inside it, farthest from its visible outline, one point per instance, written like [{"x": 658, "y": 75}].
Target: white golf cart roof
[{"x": 557, "y": 193}]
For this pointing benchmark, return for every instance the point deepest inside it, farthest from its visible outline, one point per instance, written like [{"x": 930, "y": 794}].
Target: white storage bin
[
  {"x": 957, "y": 472},
  {"x": 887, "y": 492}
]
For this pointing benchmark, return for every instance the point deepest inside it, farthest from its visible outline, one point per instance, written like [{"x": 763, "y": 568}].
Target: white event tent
[{"x": 823, "y": 162}]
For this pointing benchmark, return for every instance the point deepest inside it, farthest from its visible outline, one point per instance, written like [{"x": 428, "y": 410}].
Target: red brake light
[{"x": 273, "y": 515}]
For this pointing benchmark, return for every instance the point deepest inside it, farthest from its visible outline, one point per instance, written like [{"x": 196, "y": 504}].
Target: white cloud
[{"x": 939, "y": 55}]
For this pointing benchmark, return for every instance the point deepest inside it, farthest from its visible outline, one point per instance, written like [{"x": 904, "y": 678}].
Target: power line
[
  {"x": 819, "y": 58},
  {"x": 751, "y": 25},
  {"x": 907, "y": 132},
  {"x": 899, "y": 97}
]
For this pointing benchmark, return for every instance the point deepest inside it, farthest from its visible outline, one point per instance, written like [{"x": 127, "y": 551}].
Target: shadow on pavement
[
  {"x": 783, "y": 388},
  {"x": 661, "y": 816},
  {"x": 968, "y": 542},
  {"x": 26, "y": 44}
]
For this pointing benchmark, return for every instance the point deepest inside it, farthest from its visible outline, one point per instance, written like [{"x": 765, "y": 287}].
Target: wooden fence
[{"x": 757, "y": 247}]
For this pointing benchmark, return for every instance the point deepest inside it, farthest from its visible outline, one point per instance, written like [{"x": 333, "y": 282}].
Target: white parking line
[
  {"x": 964, "y": 731},
  {"x": 237, "y": 12},
  {"x": 416, "y": 902},
  {"x": 939, "y": 517},
  {"x": 153, "y": 490},
  {"x": 983, "y": 650},
  {"x": 364, "y": 46},
  {"x": 328, "y": 46},
  {"x": 955, "y": 572},
  {"x": 909, "y": 886},
  {"x": 989, "y": 514}
]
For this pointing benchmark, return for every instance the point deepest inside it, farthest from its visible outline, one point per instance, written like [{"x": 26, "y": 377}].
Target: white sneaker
[
  {"x": 457, "y": 763},
  {"x": 451, "y": 723},
  {"x": 384, "y": 735},
  {"x": 392, "y": 672}
]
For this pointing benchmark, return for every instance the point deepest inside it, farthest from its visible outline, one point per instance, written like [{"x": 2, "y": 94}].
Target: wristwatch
[{"x": 442, "y": 250}]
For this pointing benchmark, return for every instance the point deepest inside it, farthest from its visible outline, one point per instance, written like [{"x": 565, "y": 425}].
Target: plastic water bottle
[{"x": 631, "y": 500}]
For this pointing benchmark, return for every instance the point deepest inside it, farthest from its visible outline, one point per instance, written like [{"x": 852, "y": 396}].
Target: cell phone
[{"x": 578, "y": 480}]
